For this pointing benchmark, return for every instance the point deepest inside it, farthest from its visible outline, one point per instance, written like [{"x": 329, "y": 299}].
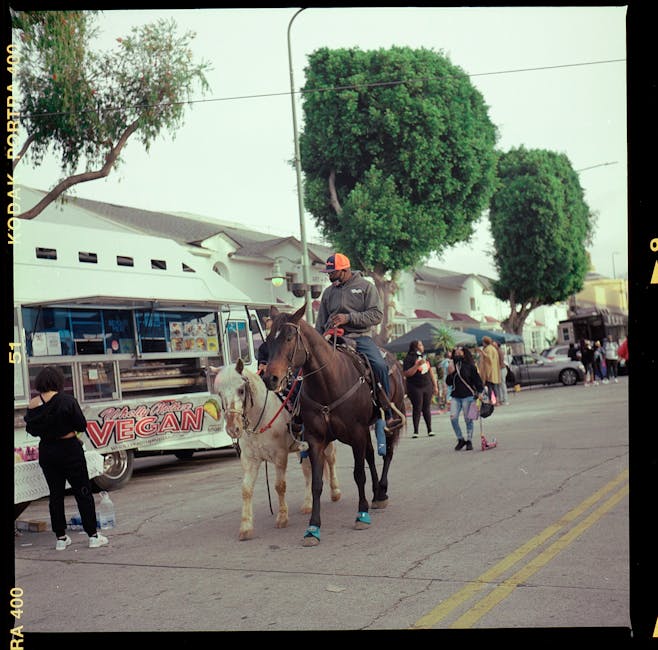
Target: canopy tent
[
  {"x": 428, "y": 333},
  {"x": 499, "y": 337}
]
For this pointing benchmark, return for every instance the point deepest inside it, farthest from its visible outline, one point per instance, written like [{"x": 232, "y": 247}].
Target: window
[
  {"x": 238, "y": 343},
  {"x": 186, "y": 268},
  {"x": 46, "y": 253},
  {"x": 68, "y": 378},
  {"x": 118, "y": 329},
  {"x": 171, "y": 331},
  {"x": 48, "y": 331},
  {"x": 124, "y": 260},
  {"x": 98, "y": 381},
  {"x": 160, "y": 265},
  {"x": 91, "y": 258}
]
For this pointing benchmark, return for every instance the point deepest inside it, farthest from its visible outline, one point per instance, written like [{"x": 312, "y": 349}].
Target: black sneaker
[
  {"x": 460, "y": 443},
  {"x": 469, "y": 445}
]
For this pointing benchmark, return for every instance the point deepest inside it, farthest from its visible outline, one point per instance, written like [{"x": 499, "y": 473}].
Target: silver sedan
[{"x": 533, "y": 369}]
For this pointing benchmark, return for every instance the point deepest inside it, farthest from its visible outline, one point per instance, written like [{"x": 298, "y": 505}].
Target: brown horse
[{"x": 336, "y": 403}]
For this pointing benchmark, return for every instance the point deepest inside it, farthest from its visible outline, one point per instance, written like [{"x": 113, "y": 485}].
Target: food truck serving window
[
  {"x": 169, "y": 331},
  {"x": 238, "y": 343},
  {"x": 55, "y": 331}
]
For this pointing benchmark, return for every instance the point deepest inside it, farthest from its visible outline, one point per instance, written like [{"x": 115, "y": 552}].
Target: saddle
[{"x": 361, "y": 362}]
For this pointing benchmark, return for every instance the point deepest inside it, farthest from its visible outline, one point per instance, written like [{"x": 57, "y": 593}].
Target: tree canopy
[
  {"x": 398, "y": 154},
  {"x": 83, "y": 105},
  {"x": 541, "y": 226}
]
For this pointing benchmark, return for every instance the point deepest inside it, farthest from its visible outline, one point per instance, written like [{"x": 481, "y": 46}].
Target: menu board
[{"x": 193, "y": 337}]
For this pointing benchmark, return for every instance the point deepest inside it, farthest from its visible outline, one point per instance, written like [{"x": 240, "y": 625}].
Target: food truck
[{"x": 135, "y": 323}]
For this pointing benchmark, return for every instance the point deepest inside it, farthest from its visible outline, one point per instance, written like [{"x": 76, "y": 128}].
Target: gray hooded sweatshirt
[{"x": 357, "y": 298}]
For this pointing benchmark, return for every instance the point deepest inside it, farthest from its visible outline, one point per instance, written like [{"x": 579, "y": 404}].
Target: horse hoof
[
  {"x": 379, "y": 505},
  {"x": 306, "y": 510},
  {"x": 310, "y": 541},
  {"x": 361, "y": 525},
  {"x": 245, "y": 535},
  {"x": 335, "y": 496},
  {"x": 282, "y": 524}
]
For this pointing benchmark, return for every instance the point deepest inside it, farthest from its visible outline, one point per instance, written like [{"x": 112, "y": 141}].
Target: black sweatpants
[
  {"x": 62, "y": 461},
  {"x": 421, "y": 401}
]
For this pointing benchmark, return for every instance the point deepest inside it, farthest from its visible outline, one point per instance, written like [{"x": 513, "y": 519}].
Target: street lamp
[
  {"x": 614, "y": 274},
  {"x": 298, "y": 170}
]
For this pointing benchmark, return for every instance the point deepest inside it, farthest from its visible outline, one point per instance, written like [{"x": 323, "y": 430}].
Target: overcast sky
[{"x": 231, "y": 160}]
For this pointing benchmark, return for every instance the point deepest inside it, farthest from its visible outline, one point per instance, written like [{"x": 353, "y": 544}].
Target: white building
[{"x": 250, "y": 260}]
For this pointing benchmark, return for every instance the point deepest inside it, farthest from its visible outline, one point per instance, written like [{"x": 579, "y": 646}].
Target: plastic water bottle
[{"x": 106, "y": 517}]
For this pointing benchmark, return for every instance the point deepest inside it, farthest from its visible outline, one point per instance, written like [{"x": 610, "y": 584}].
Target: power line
[
  {"x": 584, "y": 169},
  {"x": 337, "y": 88}
]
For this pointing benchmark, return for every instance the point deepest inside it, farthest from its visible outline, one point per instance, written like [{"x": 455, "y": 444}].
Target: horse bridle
[
  {"x": 325, "y": 409},
  {"x": 248, "y": 395},
  {"x": 291, "y": 356}
]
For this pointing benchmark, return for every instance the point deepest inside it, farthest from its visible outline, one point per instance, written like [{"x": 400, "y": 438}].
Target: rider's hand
[{"x": 339, "y": 319}]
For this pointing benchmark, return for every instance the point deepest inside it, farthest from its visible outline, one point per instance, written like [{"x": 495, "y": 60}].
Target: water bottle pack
[{"x": 106, "y": 517}]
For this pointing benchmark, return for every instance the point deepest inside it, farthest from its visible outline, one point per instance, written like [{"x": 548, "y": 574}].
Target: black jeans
[
  {"x": 421, "y": 400},
  {"x": 62, "y": 461}
]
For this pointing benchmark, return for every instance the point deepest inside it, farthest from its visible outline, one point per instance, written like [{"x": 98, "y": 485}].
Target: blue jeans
[
  {"x": 367, "y": 347},
  {"x": 457, "y": 404}
]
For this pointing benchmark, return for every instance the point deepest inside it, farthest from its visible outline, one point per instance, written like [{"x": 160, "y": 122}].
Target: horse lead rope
[{"x": 283, "y": 403}]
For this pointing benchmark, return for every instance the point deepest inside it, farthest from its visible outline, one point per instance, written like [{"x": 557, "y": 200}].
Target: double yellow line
[{"x": 505, "y": 588}]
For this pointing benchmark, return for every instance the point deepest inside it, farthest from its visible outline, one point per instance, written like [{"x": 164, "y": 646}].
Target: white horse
[{"x": 255, "y": 416}]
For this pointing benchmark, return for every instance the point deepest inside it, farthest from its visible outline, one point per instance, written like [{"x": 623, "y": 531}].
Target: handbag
[
  {"x": 480, "y": 407},
  {"x": 474, "y": 410}
]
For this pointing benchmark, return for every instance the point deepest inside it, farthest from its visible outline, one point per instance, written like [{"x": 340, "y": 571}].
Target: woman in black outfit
[
  {"x": 421, "y": 385},
  {"x": 55, "y": 417}
]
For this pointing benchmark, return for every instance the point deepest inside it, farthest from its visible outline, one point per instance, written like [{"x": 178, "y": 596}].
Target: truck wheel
[
  {"x": 117, "y": 470},
  {"x": 184, "y": 454}
]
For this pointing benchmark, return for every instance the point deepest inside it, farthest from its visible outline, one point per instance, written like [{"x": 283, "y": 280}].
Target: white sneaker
[
  {"x": 616, "y": 382},
  {"x": 98, "y": 541},
  {"x": 62, "y": 543}
]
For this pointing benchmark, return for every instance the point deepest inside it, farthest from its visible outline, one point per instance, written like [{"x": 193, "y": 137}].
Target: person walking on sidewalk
[
  {"x": 502, "y": 360},
  {"x": 421, "y": 385},
  {"x": 612, "y": 359},
  {"x": 490, "y": 366},
  {"x": 54, "y": 417},
  {"x": 466, "y": 384}
]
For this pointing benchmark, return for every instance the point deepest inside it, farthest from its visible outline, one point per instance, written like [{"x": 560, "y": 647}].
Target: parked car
[
  {"x": 556, "y": 353},
  {"x": 535, "y": 369}
]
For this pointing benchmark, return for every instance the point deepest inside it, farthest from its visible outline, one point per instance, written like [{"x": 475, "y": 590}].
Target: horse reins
[{"x": 325, "y": 409}]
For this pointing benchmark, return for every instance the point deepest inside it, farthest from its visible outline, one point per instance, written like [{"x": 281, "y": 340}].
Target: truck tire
[
  {"x": 184, "y": 454},
  {"x": 117, "y": 470}
]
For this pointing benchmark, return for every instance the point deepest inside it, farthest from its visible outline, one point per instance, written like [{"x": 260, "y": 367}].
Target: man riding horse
[{"x": 352, "y": 304}]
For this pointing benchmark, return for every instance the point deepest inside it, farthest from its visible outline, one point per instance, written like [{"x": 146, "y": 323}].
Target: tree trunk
[
  {"x": 64, "y": 185},
  {"x": 386, "y": 289}
]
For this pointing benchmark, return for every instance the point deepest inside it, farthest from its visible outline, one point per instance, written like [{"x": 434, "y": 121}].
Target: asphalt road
[{"x": 532, "y": 536}]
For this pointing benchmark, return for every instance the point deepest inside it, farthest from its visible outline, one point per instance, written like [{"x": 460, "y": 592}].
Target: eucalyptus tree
[
  {"x": 398, "y": 154},
  {"x": 84, "y": 105},
  {"x": 541, "y": 226}
]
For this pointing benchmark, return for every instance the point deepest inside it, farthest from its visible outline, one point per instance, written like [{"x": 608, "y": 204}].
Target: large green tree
[
  {"x": 541, "y": 226},
  {"x": 398, "y": 154},
  {"x": 84, "y": 105}
]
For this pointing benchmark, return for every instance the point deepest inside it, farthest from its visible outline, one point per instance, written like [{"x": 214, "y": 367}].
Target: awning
[
  {"x": 426, "y": 313},
  {"x": 428, "y": 333},
  {"x": 499, "y": 337}
]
